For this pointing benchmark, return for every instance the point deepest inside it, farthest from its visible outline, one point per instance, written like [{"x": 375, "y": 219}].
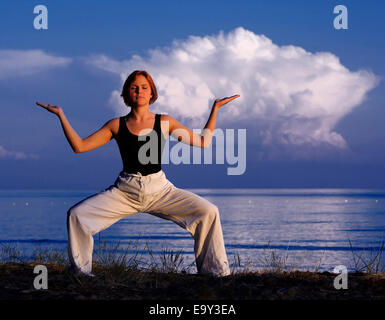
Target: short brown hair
[{"x": 126, "y": 87}]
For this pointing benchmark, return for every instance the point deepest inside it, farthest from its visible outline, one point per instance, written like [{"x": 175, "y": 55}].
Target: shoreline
[{"x": 114, "y": 283}]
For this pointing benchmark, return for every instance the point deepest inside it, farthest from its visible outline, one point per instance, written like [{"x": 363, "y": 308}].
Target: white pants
[{"x": 156, "y": 195}]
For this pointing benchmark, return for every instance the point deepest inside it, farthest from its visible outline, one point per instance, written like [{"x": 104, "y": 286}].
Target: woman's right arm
[{"x": 79, "y": 145}]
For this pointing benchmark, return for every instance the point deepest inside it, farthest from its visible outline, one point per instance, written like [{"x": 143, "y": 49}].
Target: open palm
[
  {"x": 221, "y": 102},
  {"x": 54, "y": 109}
]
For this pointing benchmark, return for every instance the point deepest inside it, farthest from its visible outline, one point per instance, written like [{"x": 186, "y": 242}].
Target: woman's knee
[
  {"x": 71, "y": 212},
  {"x": 211, "y": 211},
  {"x": 74, "y": 213}
]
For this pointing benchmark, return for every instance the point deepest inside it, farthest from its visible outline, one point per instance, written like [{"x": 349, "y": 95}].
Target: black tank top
[{"x": 141, "y": 153}]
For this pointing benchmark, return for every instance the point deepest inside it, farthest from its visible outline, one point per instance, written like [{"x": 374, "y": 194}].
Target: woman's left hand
[{"x": 221, "y": 102}]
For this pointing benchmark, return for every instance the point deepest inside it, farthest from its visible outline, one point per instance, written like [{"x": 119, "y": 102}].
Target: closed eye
[{"x": 134, "y": 87}]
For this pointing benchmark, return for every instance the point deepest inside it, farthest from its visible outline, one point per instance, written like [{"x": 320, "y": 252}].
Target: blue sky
[{"x": 69, "y": 73}]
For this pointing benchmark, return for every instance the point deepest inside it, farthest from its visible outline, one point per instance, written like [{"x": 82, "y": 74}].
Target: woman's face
[{"x": 140, "y": 91}]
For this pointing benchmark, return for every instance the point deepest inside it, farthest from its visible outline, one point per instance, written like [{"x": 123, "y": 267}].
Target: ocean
[{"x": 302, "y": 229}]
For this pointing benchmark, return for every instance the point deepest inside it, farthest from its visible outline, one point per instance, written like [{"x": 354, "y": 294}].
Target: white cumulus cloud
[
  {"x": 289, "y": 96},
  {"x": 14, "y": 63}
]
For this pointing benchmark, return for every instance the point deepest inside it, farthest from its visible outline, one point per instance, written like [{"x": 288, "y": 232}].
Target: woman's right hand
[{"x": 54, "y": 109}]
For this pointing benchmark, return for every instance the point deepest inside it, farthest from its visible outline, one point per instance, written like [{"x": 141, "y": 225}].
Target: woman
[{"x": 142, "y": 186}]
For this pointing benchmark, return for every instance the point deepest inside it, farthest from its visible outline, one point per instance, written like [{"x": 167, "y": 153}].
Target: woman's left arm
[{"x": 186, "y": 135}]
